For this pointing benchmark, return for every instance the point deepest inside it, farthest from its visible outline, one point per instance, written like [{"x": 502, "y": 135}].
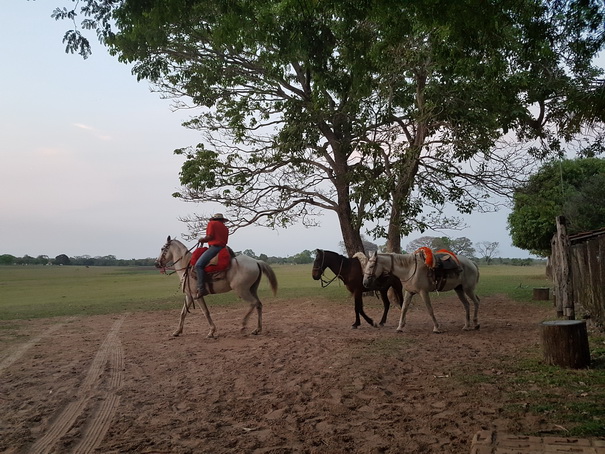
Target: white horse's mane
[{"x": 363, "y": 259}]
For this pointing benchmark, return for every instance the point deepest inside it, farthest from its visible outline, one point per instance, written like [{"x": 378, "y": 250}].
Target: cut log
[{"x": 565, "y": 343}]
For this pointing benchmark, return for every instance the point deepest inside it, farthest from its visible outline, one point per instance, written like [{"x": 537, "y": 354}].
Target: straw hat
[{"x": 218, "y": 217}]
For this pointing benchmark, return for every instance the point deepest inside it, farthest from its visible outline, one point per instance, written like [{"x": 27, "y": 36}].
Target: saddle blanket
[
  {"x": 442, "y": 259},
  {"x": 220, "y": 262}
]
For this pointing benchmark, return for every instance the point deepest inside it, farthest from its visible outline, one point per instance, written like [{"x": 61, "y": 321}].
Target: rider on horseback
[{"x": 217, "y": 235}]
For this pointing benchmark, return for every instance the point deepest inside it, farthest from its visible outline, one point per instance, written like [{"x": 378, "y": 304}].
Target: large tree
[
  {"x": 573, "y": 188},
  {"x": 375, "y": 110}
]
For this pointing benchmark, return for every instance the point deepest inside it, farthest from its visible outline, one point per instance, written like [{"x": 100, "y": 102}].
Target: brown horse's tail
[{"x": 268, "y": 271}]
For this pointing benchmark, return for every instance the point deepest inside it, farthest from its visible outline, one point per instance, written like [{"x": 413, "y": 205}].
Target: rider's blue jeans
[{"x": 203, "y": 261}]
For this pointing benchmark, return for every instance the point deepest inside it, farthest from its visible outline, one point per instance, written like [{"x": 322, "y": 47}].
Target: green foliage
[
  {"x": 572, "y": 188},
  {"x": 303, "y": 257},
  {"x": 7, "y": 259},
  {"x": 373, "y": 110}
]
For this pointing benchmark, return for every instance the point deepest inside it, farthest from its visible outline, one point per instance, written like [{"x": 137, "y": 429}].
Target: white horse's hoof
[{"x": 176, "y": 334}]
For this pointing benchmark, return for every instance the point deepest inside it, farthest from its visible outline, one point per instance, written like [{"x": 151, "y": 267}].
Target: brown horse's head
[{"x": 318, "y": 265}]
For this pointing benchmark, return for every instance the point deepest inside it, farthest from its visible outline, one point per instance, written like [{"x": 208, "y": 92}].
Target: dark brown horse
[{"x": 350, "y": 272}]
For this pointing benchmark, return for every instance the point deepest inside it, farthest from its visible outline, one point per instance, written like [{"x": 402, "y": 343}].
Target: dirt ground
[{"x": 308, "y": 384}]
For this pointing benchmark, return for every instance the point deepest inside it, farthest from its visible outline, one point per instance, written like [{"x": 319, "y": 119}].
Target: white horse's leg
[
  {"x": 467, "y": 321},
  {"x": 407, "y": 299},
  {"x": 259, "y": 309},
  {"x": 429, "y": 307},
  {"x": 212, "y": 331},
  {"x": 475, "y": 299},
  {"x": 184, "y": 311}
]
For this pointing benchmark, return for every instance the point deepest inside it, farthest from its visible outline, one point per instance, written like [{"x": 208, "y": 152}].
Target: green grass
[
  {"x": 516, "y": 282},
  {"x": 47, "y": 291},
  {"x": 570, "y": 399}
]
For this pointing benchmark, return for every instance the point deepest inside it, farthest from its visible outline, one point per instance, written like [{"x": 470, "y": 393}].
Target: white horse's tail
[
  {"x": 363, "y": 259},
  {"x": 268, "y": 271}
]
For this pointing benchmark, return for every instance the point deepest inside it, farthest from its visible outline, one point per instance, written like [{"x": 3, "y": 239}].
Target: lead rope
[{"x": 325, "y": 283}]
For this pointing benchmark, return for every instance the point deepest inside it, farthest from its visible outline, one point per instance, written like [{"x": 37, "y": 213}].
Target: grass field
[{"x": 47, "y": 291}]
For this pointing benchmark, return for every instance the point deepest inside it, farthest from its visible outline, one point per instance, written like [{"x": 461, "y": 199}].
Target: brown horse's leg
[
  {"x": 386, "y": 303},
  {"x": 357, "y": 322},
  {"x": 385, "y": 295},
  {"x": 359, "y": 310}
]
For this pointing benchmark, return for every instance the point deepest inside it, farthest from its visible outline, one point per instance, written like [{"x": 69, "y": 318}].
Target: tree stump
[
  {"x": 565, "y": 343},
  {"x": 541, "y": 294}
]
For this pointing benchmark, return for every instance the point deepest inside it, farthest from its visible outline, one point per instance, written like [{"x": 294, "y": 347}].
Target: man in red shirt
[{"x": 217, "y": 235}]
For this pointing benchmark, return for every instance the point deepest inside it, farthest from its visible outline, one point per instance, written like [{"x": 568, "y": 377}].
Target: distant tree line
[
  {"x": 111, "y": 260},
  {"x": 84, "y": 260},
  {"x": 483, "y": 252}
]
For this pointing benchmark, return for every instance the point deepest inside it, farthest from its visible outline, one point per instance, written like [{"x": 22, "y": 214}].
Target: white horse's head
[
  {"x": 370, "y": 271},
  {"x": 167, "y": 254}
]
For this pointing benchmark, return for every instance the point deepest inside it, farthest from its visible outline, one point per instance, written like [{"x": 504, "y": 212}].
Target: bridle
[
  {"x": 162, "y": 266},
  {"x": 322, "y": 268}
]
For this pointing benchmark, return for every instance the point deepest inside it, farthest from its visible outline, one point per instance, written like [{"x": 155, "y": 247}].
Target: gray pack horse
[
  {"x": 243, "y": 277},
  {"x": 418, "y": 278}
]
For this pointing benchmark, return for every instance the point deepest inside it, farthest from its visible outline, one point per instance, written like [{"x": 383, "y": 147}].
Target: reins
[
  {"x": 175, "y": 261},
  {"x": 325, "y": 282}
]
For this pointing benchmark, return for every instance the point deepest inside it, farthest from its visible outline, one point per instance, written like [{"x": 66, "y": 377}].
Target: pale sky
[{"x": 87, "y": 164}]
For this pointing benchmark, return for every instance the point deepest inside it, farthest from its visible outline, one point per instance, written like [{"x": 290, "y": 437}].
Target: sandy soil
[{"x": 307, "y": 384}]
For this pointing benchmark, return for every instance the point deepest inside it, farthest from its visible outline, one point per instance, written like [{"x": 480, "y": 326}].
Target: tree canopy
[
  {"x": 573, "y": 188},
  {"x": 379, "y": 111}
]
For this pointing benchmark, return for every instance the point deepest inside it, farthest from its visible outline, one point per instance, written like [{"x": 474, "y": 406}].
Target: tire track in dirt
[
  {"x": 100, "y": 419},
  {"x": 23, "y": 348}
]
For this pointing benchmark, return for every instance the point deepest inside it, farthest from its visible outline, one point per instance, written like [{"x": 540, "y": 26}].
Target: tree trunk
[
  {"x": 565, "y": 343},
  {"x": 394, "y": 233}
]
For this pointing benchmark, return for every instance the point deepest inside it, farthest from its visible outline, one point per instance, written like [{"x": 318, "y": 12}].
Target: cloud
[{"x": 93, "y": 131}]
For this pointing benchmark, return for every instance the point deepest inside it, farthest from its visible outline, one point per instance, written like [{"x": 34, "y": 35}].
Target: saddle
[
  {"x": 441, "y": 264},
  {"x": 216, "y": 269}
]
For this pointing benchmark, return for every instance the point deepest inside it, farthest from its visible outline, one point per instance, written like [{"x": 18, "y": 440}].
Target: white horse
[
  {"x": 243, "y": 277},
  {"x": 417, "y": 277}
]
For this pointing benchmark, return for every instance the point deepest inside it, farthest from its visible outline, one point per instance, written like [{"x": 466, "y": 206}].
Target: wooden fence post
[{"x": 563, "y": 291}]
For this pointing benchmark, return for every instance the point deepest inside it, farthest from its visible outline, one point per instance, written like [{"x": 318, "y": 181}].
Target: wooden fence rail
[{"x": 579, "y": 273}]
